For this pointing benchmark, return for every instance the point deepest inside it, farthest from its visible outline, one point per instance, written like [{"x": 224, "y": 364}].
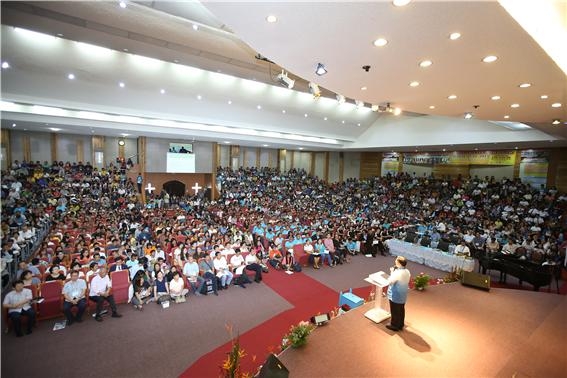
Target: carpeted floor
[{"x": 452, "y": 331}]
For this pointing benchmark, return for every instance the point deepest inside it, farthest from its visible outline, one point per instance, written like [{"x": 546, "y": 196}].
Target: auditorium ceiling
[{"x": 215, "y": 64}]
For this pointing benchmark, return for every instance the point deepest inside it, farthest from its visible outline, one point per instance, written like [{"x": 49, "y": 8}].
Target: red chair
[
  {"x": 51, "y": 307},
  {"x": 120, "y": 285}
]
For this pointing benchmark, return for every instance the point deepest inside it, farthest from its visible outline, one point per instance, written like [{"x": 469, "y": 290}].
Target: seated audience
[
  {"x": 18, "y": 303},
  {"x": 74, "y": 293},
  {"x": 100, "y": 291}
]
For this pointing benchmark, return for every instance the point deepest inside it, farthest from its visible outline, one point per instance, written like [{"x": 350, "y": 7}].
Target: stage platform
[{"x": 451, "y": 331}]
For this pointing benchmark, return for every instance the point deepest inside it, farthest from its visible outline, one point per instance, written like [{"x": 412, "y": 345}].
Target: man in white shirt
[
  {"x": 238, "y": 265},
  {"x": 74, "y": 292},
  {"x": 397, "y": 293},
  {"x": 18, "y": 303},
  {"x": 100, "y": 292},
  {"x": 223, "y": 272},
  {"x": 462, "y": 249},
  {"x": 191, "y": 271}
]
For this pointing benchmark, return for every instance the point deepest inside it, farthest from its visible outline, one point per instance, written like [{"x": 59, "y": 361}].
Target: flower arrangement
[
  {"x": 421, "y": 281},
  {"x": 231, "y": 365},
  {"x": 454, "y": 275},
  {"x": 297, "y": 335}
]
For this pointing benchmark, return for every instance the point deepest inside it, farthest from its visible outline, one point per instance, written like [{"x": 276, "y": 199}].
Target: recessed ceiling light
[
  {"x": 454, "y": 36},
  {"x": 544, "y": 97},
  {"x": 397, "y": 111},
  {"x": 506, "y": 117},
  {"x": 320, "y": 69},
  {"x": 271, "y": 19},
  {"x": 125, "y": 50},
  {"x": 227, "y": 142},
  {"x": 490, "y": 59},
  {"x": 265, "y": 145},
  {"x": 325, "y": 118},
  {"x": 71, "y": 76},
  {"x": 515, "y": 148},
  {"x": 515, "y": 105},
  {"x": 121, "y": 84},
  {"x": 425, "y": 63},
  {"x": 54, "y": 129},
  {"x": 525, "y": 85},
  {"x": 468, "y": 115},
  {"x": 444, "y": 149},
  {"x": 229, "y": 102},
  {"x": 476, "y": 149},
  {"x": 60, "y": 34},
  {"x": 283, "y": 111},
  {"x": 363, "y": 88},
  {"x": 5, "y": 65},
  {"x": 258, "y": 107},
  {"x": 199, "y": 97},
  {"x": 301, "y": 148},
  {"x": 124, "y": 134},
  {"x": 556, "y": 122},
  {"x": 380, "y": 42},
  {"x": 13, "y": 125},
  {"x": 414, "y": 84},
  {"x": 305, "y": 115},
  {"x": 401, "y": 3},
  {"x": 495, "y": 98},
  {"x": 431, "y": 106},
  {"x": 343, "y": 121},
  {"x": 556, "y": 105},
  {"x": 122, "y": 4},
  {"x": 162, "y": 91},
  {"x": 358, "y": 124},
  {"x": 195, "y": 27},
  {"x": 452, "y": 97},
  {"x": 175, "y": 60}
]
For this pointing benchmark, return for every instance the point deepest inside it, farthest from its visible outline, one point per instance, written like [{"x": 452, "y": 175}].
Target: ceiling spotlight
[
  {"x": 359, "y": 104},
  {"x": 544, "y": 97},
  {"x": 121, "y": 142},
  {"x": 490, "y": 59},
  {"x": 259, "y": 107},
  {"x": 454, "y": 36},
  {"x": 452, "y": 97},
  {"x": 13, "y": 125},
  {"x": 265, "y": 145},
  {"x": 556, "y": 122},
  {"x": 340, "y": 98},
  {"x": 271, "y": 19},
  {"x": 400, "y": 3},
  {"x": 515, "y": 105},
  {"x": 343, "y": 121},
  {"x": 199, "y": 97},
  {"x": 358, "y": 124},
  {"x": 320, "y": 70},
  {"x": 122, "y": 4},
  {"x": 431, "y": 106},
  {"x": 121, "y": 84},
  {"x": 162, "y": 91},
  {"x": 71, "y": 76},
  {"x": 468, "y": 115},
  {"x": 525, "y": 85},
  {"x": 195, "y": 27},
  {"x": 380, "y": 42},
  {"x": 5, "y": 65},
  {"x": 414, "y": 84},
  {"x": 325, "y": 118},
  {"x": 363, "y": 88},
  {"x": 283, "y": 111},
  {"x": 54, "y": 129},
  {"x": 229, "y": 102},
  {"x": 284, "y": 80},
  {"x": 366, "y": 68},
  {"x": 306, "y": 115},
  {"x": 506, "y": 117},
  {"x": 556, "y": 105},
  {"x": 314, "y": 90},
  {"x": 425, "y": 63},
  {"x": 375, "y": 108},
  {"x": 495, "y": 98},
  {"x": 397, "y": 111}
]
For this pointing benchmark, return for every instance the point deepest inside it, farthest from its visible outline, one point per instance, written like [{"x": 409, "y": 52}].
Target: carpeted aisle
[{"x": 308, "y": 297}]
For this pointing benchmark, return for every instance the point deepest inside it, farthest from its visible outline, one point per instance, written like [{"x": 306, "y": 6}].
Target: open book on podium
[{"x": 378, "y": 314}]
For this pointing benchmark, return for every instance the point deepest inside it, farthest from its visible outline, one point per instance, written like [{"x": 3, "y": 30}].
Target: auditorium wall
[
  {"x": 351, "y": 165},
  {"x": 334, "y": 166},
  {"x": 498, "y": 172},
  {"x": 301, "y": 160},
  {"x": 419, "y": 170},
  {"x": 156, "y": 155},
  {"x": 320, "y": 164}
]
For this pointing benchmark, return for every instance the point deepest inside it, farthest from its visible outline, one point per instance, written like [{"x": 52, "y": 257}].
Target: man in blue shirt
[{"x": 397, "y": 293}]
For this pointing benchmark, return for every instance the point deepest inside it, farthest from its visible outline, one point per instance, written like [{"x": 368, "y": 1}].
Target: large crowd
[{"x": 192, "y": 245}]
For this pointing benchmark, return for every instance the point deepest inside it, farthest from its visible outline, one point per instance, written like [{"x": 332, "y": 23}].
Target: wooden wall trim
[
  {"x": 53, "y": 145},
  {"x": 26, "y": 146},
  {"x": 327, "y": 166}
]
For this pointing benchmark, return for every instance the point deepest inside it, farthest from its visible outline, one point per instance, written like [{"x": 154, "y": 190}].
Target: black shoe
[
  {"x": 116, "y": 315},
  {"x": 79, "y": 320},
  {"x": 29, "y": 332},
  {"x": 216, "y": 293},
  {"x": 392, "y": 328},
  {"x": 98, "y": 318},
  {"x": 242, "y": 286},
  {"x": 70, "y": 322}
]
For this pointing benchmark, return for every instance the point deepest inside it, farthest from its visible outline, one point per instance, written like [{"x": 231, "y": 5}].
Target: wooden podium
[{"x": 378, "y": 314}]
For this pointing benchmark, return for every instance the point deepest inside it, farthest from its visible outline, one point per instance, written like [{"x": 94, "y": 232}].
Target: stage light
[
  {"x": 359, "y": 103},
  {"x": 340, "y": 99},
  {"x": 468, "y": 115},
  {"x": 284, "y": 80},
  {"x": 314, "y": 90},
  {"x": 556, "y": 122},
  {"x": 320, "y": 70}
]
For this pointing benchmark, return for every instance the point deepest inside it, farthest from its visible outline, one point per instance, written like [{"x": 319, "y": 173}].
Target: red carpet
[{"x": 308, "y": 296}]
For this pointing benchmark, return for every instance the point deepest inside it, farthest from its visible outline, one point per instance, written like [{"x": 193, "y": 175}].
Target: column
[
  {"x": 142, "y": 163},
  {"x": 26, "y": 147},
  {"x": 326, "y": 178},
  {"x": 6, "y": 150},
  {"x": 80, "y": 150},
  {"x": 341, "y": 166},
  {"x": 215, "y": 164},
  {"x": 54, "y": 147},
  {"x": 258, "y": 154}
]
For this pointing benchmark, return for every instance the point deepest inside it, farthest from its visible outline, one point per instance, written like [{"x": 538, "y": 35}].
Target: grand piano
[{"x": 526, "y": 271}]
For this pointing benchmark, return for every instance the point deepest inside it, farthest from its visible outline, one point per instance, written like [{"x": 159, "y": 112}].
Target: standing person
[
  {"x": 18, "y": 303},
  {"x": 397, "y": 293},
  {"x": 139, "y": 181}
]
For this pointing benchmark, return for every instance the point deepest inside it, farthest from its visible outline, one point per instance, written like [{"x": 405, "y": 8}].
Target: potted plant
[
  {"x": 297, "y": 335},
  {"x": 421, "y": 281}
]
